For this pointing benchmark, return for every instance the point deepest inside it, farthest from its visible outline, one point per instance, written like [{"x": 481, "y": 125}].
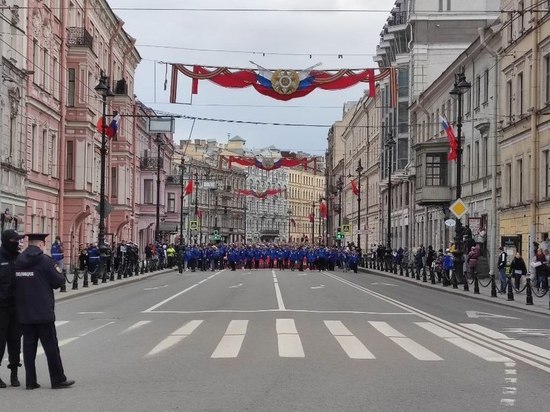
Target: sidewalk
[
  {"x": 540, "y": 305},
  {"x": 82, "y": 291}
]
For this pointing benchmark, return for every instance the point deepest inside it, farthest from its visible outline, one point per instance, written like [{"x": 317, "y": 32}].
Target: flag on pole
[
  {"x": 199, "y": 214},
  {"x": 323, "y": 210},
  {"x": 354, "y": 188},
  {"x": 189, "y": 187},
  {"x": 453, "y": 142}
]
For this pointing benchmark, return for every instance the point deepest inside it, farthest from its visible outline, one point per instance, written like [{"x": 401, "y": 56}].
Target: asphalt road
[{"x": 291, "y": 341}]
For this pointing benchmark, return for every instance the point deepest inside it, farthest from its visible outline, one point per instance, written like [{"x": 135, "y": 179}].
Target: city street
[{"x": 267, "y": 340}]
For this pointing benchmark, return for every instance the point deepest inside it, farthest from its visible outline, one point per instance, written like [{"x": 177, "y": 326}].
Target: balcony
[
  {"x": 151, "y": 163},
  {"x": 79, "y": 36},
  {"x": 430, "y": 195},
  {"x": 120, "y": 87},
  {"x": 397, "y": 18},
  {"x": 174, "y": 179}
]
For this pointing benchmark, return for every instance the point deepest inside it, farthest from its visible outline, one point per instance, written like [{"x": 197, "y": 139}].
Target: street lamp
[
  {"x": 289, "y": 214},
  {"x": 158, "y": 141},
  {"x": 197, "y": 201},
  {"x": 390, "y": 144},
  {"x": 461, "y": 87},
  {"x": 359, "y": 170},
  {"x": 105, "y": 91},
  {"x": 340, "y": 187},
  {"x": 182, "y": 171},
  {"x": 312, "y": 220}
]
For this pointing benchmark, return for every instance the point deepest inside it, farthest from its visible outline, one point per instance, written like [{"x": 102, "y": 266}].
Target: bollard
[
  {"x": 136, "y": 269},
  {"x": 466, "y": 285},
  {"x": 424, "y": 278},
  {"x": 493, "y": 286},
  {"x": 85, "y": 281},
  {"x": 476, "y": 284},
  {"x": 454, "y": 280},
  {"x": 75, "y": 280},
  {"x": 64, "y": 285},
  {"x": 400, "y": 270},
  {"x": 143, "y": 267},
  {"x": 510, "y": 289},
  {"x": 528, "y": 292},
  {"x": 432, "y": 276},
  {"x": 407, "y": 271},
  {"x": 112, "y": 276}
]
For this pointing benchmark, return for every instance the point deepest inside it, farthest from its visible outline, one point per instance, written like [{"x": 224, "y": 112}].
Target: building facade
[{"x": 12, "y": 115}]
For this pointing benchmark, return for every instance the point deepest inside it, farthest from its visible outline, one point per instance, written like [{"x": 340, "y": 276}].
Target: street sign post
[
  {"x": 194, "y": 224},
  {"x": 346, "y": 229},
  {"x": 459, "y": 208}
]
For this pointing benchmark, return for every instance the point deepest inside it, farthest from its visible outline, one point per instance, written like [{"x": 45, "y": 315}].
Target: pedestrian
[
  {"x": 541, "y": 269},
  {"x": 518, "y": 269},
  {"x": 502, "y": 269},
  {"x": 36, "y": 277},
  {"x": 58, "y": 252},
  {"x": 10, "y": 330},
  {"x": 472, "y": 258}
]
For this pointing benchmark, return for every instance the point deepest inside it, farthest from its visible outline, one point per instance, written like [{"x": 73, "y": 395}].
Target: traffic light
[{"x": 339, "y": 234}]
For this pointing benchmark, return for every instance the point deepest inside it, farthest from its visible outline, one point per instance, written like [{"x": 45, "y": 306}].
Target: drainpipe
[
  {"x": 534, "y": 181},
  {"x": 62, "y": 133},
  {"x": 493, "y": 232}
]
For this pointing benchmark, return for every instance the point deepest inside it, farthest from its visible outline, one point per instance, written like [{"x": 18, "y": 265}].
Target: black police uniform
[
  {"x": 36, "y": 276},
  {"x": 10, "y": 330}
]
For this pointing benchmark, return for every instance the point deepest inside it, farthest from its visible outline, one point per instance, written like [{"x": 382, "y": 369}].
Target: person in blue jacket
[{"x": 36, "y": 277}]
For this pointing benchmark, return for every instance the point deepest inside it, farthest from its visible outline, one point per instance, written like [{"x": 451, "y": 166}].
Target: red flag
[
  {"x": 453, "y": 141},
  {"x": 354, "y": 188},
  {"x": 323, "y": 210},
  {"x": 199, "y": 214},
  {"x": 312, "y": 217},
  {"x": 195, "y": 81},
  {"x": 293, "y": 222},
  {"x": 189, "y": 187}
]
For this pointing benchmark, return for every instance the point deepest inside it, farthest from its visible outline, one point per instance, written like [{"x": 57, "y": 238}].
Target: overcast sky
[{"x": 324, "y": 35}]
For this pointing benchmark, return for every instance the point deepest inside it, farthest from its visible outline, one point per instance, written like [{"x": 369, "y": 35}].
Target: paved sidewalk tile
[
  {"x": 540, "y": 305},
  {"x": 81, "y": 291}
]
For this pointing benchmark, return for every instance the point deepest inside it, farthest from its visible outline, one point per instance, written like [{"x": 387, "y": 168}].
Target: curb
[
  {"x": 457, "y": 292},
  {"x": 62, "y": 296}
]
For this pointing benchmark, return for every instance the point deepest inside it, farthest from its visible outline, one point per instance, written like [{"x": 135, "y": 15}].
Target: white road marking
[
  {"x": 318, "y": 287},
  {"x": 236, "y": 286},
  {"x": 347, "y": 312},
  {"x": 509, "y": 390},
  {"x": 135, "y": 326},
  {"x": 468, "y": 346},
  {"x": 527, "y": 347},
  {"x": 278, "y": 294},
  {"x": 383, "y": 284},
  {"x": 90, "y": 313},
  {"x": 529, "y": 331},
  {"x": 507, "y": 402},
  {"x": 95, "y": 329},
  {"x": 63, "y": 342},
  {"x": 415, "y": 349},
  {"x": 510, "y": 372},
  {"x": 156, "y": 287},
  {"x": 231, "y": 343},
  {"x": 152, "y": 308},
  {"x": 61, "y": 322},
  {"x": 353, "y": 347},
  {"x": 175, "y": 337},
  {"x": 511, "y": 380},
  {"x": 475, "y": 315},
  {"x": 288, "y": 340}
]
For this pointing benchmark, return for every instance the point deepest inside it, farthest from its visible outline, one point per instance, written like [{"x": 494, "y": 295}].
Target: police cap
[
  {"x": 37, "y": 236},
  {"x": 11, "y": 235}
]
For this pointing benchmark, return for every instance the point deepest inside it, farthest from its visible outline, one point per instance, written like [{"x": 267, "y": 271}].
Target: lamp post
[
  {"x": 340, "y": 187},
  {"x": 182, "y": 171},
  {"x": 289, "y": 214},
  {"x": 104, "y": 90},
  {"x": 390, "y": 143},
  {"x": 359, "y": 170},
  {"x": 312, "y": 220},
  {"x": 196, "y": 201},
  {"x": 158, "y": 141},
  {"x": 461, "y": 86}
]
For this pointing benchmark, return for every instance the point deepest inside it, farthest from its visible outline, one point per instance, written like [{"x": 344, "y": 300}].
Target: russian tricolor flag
[{"x": 453, "y": 142}]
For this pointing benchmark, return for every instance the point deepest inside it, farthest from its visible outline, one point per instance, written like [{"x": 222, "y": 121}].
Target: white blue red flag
[{"x": 453, "y": 142}]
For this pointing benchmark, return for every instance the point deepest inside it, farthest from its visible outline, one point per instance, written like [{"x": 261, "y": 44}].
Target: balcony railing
[
  {"x": 398, "y": 18},
  {"x": 79, "y": 36},
  {"x": 174, "y": 179},
  {"x": 151, "y": 163}
]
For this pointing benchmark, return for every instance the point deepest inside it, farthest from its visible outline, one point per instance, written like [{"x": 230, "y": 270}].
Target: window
[
  {"x": 485, "y": 149},
  {"x": 45, "y": 152},
  {"x": 53, "y": 156},
  {"x": 520, "y": 94},
  {"x": 171, "y": 202},
  {"x": 510, "y": 100},
  {"x": 468, "y": 163},
  {"x": 519, "y": 174},
  {"x": 46, "y": 71},
  {"x": 69, "y": 164},
  {"x": 71, "y": 87},
  {"x": 485, "y": 87},
  {"x": 468, "y": 106},
  {"x": 35, "y": 60},
  {"x": 509, "y": 182},
  {"x": 34, "y": 149},
  {"x": 55, "y": 80},
  {"x": 476, "y": 171},
  {"x": 114, "y": 181},
  {"x": 148, "y": 191},
  {"x": 546, "y": 173},
  {"x": 477, "y": 92},
  {"x": 436, "y": 169},
  {"x": 546, "y": 78}
]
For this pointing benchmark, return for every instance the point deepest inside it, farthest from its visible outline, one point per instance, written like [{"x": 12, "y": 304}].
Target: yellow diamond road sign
[{"x": 459, "y": 208}]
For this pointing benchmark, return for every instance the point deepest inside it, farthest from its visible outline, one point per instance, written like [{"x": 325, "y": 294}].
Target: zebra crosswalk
[{"x": 364, "y": 340}]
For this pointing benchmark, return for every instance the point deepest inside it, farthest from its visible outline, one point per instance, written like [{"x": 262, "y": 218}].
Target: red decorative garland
[{"x": 259, "y": 195}]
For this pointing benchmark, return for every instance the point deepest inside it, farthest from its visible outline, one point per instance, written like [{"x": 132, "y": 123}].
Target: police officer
[
  {"x": 58, "y": 252},
  {"x": 10, "y": 331},
  {"x": 36, "y": 276}
]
